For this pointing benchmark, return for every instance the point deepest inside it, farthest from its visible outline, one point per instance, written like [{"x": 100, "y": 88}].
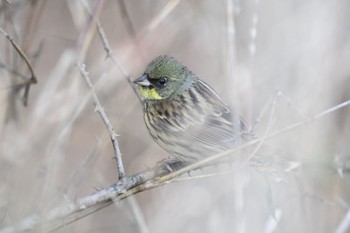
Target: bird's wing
[{"x": 206, "y": 121}]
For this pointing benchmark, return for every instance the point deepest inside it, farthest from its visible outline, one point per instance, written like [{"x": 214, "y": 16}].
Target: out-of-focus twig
[
  {"x": 13, "y": 71},
  {"x": 344, "y": 226},
  {"x": 130, "y": 27},
  {"x": 267, "y": 131},
  {"x": 137, "y": 212},
  {"x": 99, "y": 109},
  {"x": 272, "y": 99},
  {"x": 255, "y": 141},
  {"x": 85, "y": 39},
  {"x": 33, "y": 20},
  {"x": 32, "y": 79},
  {"x": 126, "y": 18},
  {"x": 231, "y": 60},
  {"x": 167, "y": 9}
]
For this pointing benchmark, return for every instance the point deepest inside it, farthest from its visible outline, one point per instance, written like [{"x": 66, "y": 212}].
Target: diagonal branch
[{"x": 99, "y": 109}]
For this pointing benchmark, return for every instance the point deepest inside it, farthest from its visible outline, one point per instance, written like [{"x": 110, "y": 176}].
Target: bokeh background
[{"x": 277, "y": 61}]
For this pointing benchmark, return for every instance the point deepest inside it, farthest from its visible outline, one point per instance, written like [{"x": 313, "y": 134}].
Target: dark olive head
[{"x": 164, "y": 77}]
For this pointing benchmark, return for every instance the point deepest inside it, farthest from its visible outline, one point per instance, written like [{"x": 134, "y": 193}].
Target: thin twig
[
  {"x": 289, "y": 102},
  {"x": 267, "y": 131},
  {"x": 99, "y": 109},
  {"x": 277, "y": 94},
  {"x": 32, "y": 79},
  {"x": 263, "y": 112},
  {"x": 255, "y": 141},
  {"x": 110, "y": 55},
  {"x": 104, "y": 40}
]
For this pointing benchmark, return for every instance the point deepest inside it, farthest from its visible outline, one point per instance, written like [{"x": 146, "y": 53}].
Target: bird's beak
[{"x": 142, "y": 81}]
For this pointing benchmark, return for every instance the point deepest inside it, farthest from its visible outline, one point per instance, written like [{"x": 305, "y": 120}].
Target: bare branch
[
  {"x": 58, "y": 217},
  {"x": 99, "y": 109},
  {"x": 130, "y": 185}
]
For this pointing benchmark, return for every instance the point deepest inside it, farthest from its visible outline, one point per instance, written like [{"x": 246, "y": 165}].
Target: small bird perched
[{"x": 183, "y": 114}]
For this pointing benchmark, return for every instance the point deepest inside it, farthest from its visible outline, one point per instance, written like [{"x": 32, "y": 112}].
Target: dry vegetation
[{"x": 281, "y": 62}]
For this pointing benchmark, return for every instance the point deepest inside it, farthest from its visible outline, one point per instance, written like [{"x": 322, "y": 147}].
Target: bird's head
[{"x": 164, "y": 77}]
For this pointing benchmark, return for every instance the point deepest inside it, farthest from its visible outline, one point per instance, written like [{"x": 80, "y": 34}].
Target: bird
[{"x": 184, "y": 115}]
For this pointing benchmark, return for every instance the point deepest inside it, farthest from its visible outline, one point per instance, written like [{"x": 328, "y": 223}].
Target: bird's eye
[{"x": 162, "y": 81}]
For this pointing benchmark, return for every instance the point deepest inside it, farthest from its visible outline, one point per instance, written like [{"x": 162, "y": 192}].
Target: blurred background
[{"x": 277, "y": 61}]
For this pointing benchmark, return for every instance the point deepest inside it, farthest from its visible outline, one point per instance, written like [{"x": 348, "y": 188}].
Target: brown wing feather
[{"x": 195, "y": 124}]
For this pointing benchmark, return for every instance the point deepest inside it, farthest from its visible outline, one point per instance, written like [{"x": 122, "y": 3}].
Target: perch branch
[{"x": 130, "y": 185}]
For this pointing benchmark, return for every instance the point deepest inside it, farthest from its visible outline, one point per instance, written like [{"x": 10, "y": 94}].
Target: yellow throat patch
[{"x": 150, "y": 94}]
